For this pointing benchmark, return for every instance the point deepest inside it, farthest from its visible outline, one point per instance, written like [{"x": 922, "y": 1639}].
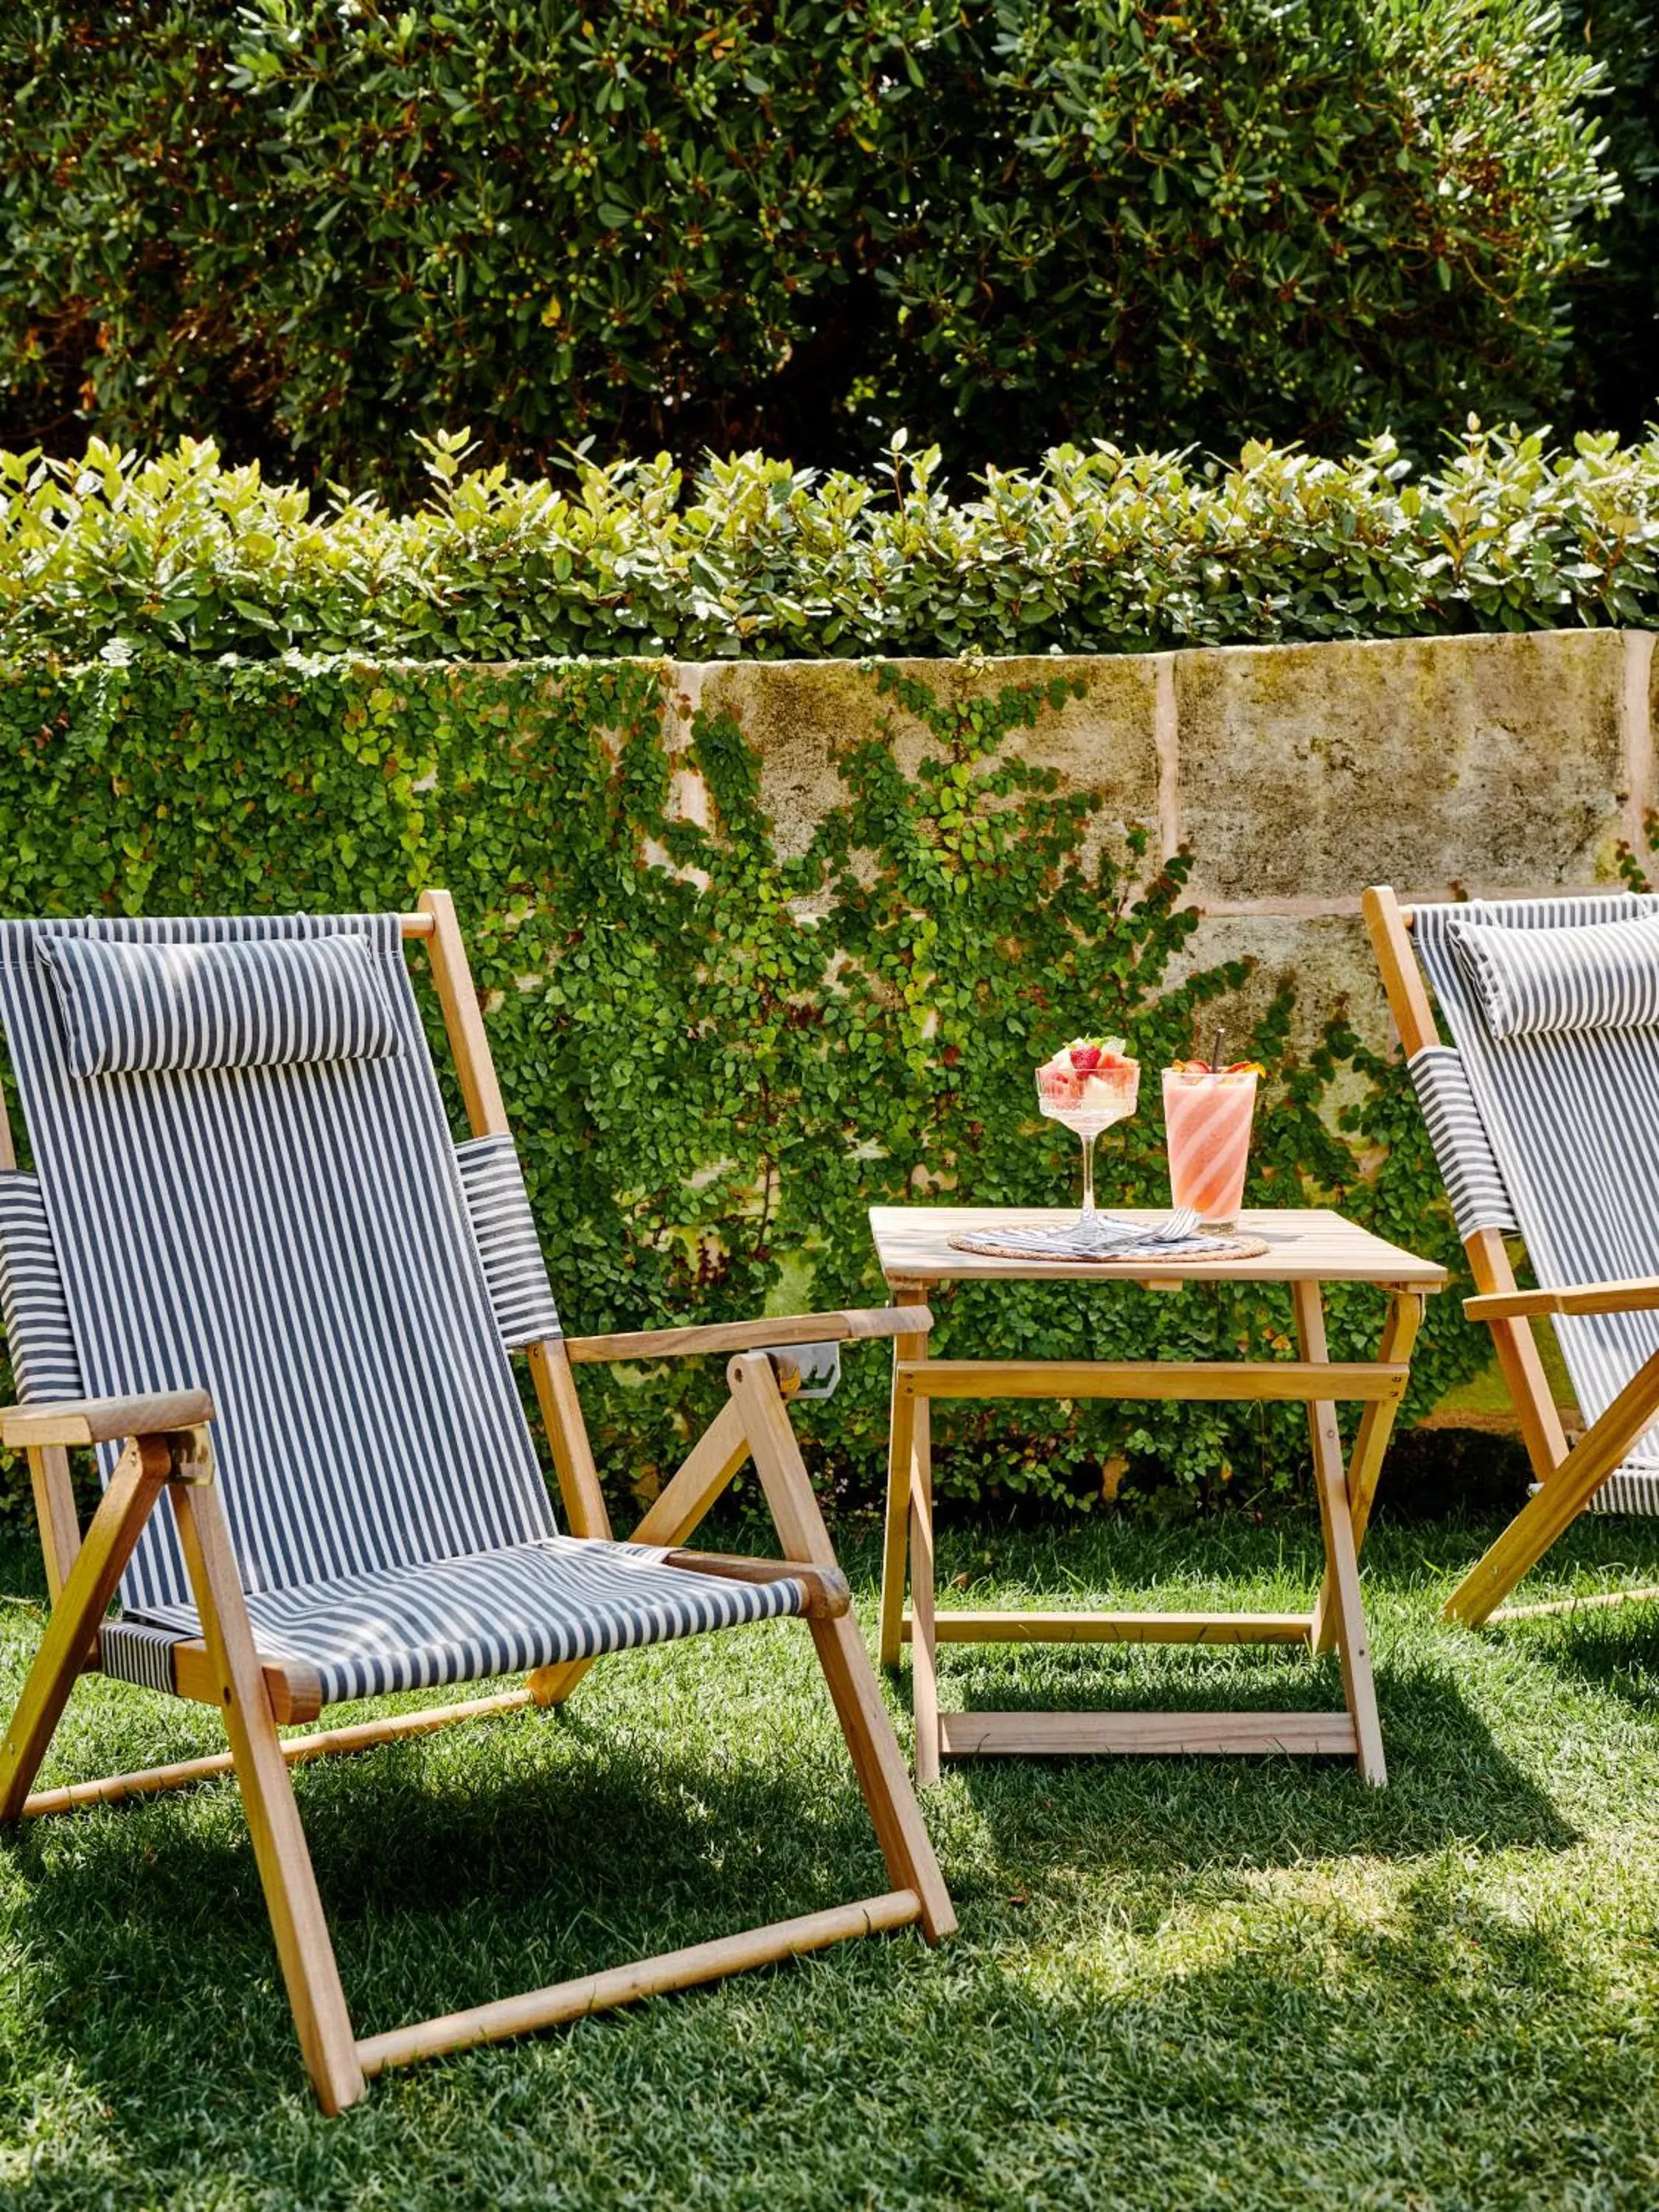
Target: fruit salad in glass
[{"x": 1088, "y": 1086}]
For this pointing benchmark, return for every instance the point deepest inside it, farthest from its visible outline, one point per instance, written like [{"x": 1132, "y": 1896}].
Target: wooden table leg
[
  {"x": 901, "y": 1439},
  {"x": 924, "y": 1669},
  {"x": 1405, "y": 1318},
  {"x": 1341, "y": 1560}
]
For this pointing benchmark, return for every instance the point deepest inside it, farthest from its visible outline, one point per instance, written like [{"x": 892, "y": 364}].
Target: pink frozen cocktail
[{"x": 1206, "y": 1123}]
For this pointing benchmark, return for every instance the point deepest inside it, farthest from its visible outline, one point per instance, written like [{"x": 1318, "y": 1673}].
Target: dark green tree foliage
[
  {"x": 308, "y": 226},
  {"x": 714, "y": 1068},
  {"x": 1615, "y": 357}
]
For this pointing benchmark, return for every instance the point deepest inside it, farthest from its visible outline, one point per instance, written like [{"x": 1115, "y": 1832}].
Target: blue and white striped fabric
[
  {"x": 36, "y": 1319},
  {"x": 295, "y": 1238},
  {"x": 38, "y": 1338},
  {"x": 1571, "y": 1118},
  {"x": 135, "y": 1008},
  {"x": 458, "y": 1620},
  {"x": 1473, "y": 1182},
  {"x": 1541, "y": 981},
  {"x": 508, "y": 1243}
]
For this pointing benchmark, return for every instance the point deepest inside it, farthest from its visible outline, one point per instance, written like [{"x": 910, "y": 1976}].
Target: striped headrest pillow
[
  {"x": 139, "y": 1009},
  {"x": 1544, "y": 982}
]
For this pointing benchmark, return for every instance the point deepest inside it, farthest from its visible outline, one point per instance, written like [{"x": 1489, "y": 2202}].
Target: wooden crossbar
[
  {"x": 1590, "y": 1602},
  {"x": 1310, "y": 1381},
  {"x": 1061, "y": 1735},
  {"x": 962, "y": 1625},
  {"x": 327, "y": 1743},
  {"x": 672, "y": 1970}
]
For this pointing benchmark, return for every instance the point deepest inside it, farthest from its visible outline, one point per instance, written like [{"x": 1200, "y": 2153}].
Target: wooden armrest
[
  {"x": 100, "y": 1420},
  {"x": 828, "y": 1596},
  {"x": 1640, "y": 1295},
  {"x": 751, "y": 1335}
]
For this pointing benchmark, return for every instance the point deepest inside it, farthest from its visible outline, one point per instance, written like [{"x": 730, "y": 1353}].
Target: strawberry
[{"x": 1090, "y": 1053}]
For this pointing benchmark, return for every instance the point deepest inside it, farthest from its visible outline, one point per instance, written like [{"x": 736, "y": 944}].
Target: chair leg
[
  {"x": 140, "y": 1475},
  {"x": 876, "y": 1758},
  {"x": 303, "y": 1944},
  {"x": 1550, "y": 1511}
]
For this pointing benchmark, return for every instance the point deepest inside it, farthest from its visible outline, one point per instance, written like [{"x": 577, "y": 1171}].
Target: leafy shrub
[
  {"x": 306, "y": 228},
  {"x": 709, "y": 1089},
  {"x": 1100, "y": 552}
]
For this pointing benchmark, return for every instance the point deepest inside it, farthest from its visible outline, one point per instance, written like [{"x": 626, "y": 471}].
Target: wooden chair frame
[
  {"x": 1567, "y": 1480},
  {"x": 167, "y": 1452}
]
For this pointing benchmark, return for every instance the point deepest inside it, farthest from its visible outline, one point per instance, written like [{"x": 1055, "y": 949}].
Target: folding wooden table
[{"x": 1306, "y": 1249}]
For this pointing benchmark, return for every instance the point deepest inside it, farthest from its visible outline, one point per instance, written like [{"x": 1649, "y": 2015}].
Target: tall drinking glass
[{"x": 1206, "y": 1123}]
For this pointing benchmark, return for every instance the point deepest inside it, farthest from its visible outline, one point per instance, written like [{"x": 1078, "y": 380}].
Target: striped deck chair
[
  {"x": 253, "y": 1269},
  {"x": 1544, "y": 1112}
]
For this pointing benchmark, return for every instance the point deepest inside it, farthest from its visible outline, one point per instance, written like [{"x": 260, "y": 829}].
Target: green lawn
[{"x": 1176, "y": 1985}]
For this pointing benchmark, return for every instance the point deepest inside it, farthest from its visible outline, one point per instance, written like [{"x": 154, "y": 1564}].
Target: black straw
[{"x": 1215, "y": 1056}]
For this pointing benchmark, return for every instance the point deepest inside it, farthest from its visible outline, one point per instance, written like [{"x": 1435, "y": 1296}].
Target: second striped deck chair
[
  {"x": 251, "y": 1268},
  {"x": 1544, "y": 1112}
]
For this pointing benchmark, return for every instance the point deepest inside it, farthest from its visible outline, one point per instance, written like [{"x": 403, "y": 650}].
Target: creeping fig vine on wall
[{"x": 716, "y": 1066}]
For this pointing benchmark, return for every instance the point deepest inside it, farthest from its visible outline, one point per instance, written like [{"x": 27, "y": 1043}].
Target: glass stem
[{"x": 1088, "y": 1177}]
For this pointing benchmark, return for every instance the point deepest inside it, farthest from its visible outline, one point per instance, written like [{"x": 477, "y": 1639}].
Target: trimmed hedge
[
  {"x": 716, "y": 1066},
  {"x": 308, "y": 227},
  {"x": 1100, "y": 552}
]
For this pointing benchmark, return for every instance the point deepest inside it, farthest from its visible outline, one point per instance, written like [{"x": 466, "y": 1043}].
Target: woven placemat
[{"x": 1046, "y": 1244}]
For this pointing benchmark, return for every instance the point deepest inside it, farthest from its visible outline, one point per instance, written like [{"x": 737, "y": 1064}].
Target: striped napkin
[{"x": 1102, "y": 1236}]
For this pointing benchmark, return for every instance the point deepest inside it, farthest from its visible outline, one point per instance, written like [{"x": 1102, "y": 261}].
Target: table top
[{"x": 1304, "y": 1244}]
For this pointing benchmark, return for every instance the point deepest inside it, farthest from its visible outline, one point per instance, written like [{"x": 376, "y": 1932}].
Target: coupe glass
[{"x": 1088, "y": 1104}]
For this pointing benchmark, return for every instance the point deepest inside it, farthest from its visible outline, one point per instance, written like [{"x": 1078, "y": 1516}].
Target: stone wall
[{"x": 1297, "y": 773}]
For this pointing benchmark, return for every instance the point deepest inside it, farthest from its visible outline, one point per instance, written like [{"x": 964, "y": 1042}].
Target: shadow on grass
[
  {"x": 1423, "y": 2048},
  {"x": 519, "y": 1852},
  {"x": 1610, "y": 1648},
  {"x": 1450, "y": 1783},
  {"x": 1276, "y": 2041},
  {"x": 690, "y": 1804},
  {"x": 1613, "y": 1650},
  {"x": 496, "y": 1857}
]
